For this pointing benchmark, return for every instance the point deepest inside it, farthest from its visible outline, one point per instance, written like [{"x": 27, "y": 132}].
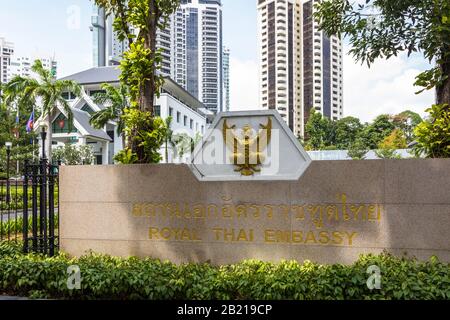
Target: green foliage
[
  {"x": 141, "y": 62},
  {"x": 407, "y": 121},
  {"x": 136, "y": 62},
  {"x": 42, "y": 94},
  {"x": 319, "y": 130},
  {"x": 374, "y": 133},
  {"x": 433, "y": 135},
  {"x": 386, "y": 153},
  {"x": 146, "y": 134},
  {"x": 115, "y": 101},
  {"x": 347, "y": 131},
  {"x": 126, "y": 156},
  {"x": 358, "y": 150},
  {"x": 15, "y": 226},
  {"x": 105, "y": 277},
  {"x": 384, "y": 28},
  {"x": 73, "y": 155},
  {"x": 185, "y": 144}
]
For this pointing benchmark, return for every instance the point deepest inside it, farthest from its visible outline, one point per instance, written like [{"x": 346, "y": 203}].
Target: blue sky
[{"x": 61, "y": 28}]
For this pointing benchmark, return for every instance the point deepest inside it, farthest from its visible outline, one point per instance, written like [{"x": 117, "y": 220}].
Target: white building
[
  {"x": 6, "y": 53},
  {"x": 108, "y": 49},
  {"x": 21, "y": 66},
  {"x": 226, "y": 79},
  {"x": 300, "y": 67},
  {"x": 198, "y": 49},
  {"x": 187, "y": 113},
  {"x": 191, "y": 47}
]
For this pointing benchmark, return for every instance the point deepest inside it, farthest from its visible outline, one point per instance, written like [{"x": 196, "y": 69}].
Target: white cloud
[
  {"x": 387, "y": 87},
  {"x": 244, "y": 85}
]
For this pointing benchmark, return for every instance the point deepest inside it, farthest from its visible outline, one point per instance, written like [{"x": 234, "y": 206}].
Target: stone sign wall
[{"x": 336, "y": 211}]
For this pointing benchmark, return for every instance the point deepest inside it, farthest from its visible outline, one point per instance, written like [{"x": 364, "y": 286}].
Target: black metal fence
[
  {"x": 29, "y": 208},
  {"x": 41, "y": 208},
  {"x": 11, "y": 209}
]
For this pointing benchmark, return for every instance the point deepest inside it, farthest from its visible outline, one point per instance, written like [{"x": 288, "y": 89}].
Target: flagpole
[{"x": 18, "y": 133}]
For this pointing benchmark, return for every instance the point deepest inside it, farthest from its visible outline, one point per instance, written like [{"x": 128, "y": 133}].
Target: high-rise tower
[
  {"x": 226, "y": 79},
  {"x": 300, "y": 67},
  {"x": 191, "y": 48}
]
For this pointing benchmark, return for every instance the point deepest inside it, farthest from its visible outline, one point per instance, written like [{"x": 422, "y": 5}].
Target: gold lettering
[
  {"x": 345, "y": 214},
  {"x": 356, "y": 210},
  {"x": 297, "y": 236},
  {"x": 332, "y": 213},
  {"x": 153, "y": 233},
  {"x": 241, "y": 211},
  {"x": 137, "y": 210},
  {"x": 350, "y": 237},
  {"x": 337, "y": 238},
  {"x": 199, "y": 211},
  {"x": 269, "y": 236},
  {"x": 299, "y": 212},
  {"x": 257, "y": 213},
  {"x": 310, "y": 237},
  {"x": 371, "y": 213},
  {"x": 324, "y": 238},
  {"x": 316, "y": 214},
  {"x": 269, "y": 211}
]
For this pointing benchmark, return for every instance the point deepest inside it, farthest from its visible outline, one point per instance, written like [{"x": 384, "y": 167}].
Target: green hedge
[{"x": 105, "y": 277}]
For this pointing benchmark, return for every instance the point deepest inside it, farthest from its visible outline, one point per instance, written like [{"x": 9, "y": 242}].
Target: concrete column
[{"x": 105, "y": 153}]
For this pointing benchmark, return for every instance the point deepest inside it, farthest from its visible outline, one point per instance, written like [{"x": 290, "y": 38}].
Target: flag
[{"x": 30, "y": 123}]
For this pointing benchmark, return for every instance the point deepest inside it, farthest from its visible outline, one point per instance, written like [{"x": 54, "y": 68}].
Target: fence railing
[
  {"x": 29, "y": 208},
  {"x": 40, "y": 208},
  {"x": 11, "y": 206}
]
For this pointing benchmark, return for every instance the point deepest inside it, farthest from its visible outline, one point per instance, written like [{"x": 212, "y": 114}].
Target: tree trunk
[
  {"x": 148, "y": 91},
  {"x": 443, "y": 91},
  {"x": 167, "y": 151},
  {"x": 48, "y": 140}
]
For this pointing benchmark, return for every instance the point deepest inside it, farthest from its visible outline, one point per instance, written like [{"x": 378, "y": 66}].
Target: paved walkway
[{"x": 12, "y": 298}]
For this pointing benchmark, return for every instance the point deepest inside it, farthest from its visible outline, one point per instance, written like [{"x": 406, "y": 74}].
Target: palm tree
[
  {"x": 45, "y": 91},
  {"x": 168, "y": 137},
  {"x": 115, "y": 101},
  {"x": 185, "y": 143}
]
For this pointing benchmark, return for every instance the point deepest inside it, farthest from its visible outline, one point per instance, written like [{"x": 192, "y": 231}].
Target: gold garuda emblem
[{"x": 247, "y": 146}]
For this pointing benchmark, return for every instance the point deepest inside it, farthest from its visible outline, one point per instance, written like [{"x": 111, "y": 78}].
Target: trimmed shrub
[{"x": 106, "y": 277}]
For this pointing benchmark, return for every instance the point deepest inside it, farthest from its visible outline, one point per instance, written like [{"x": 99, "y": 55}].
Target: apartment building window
[
  {"x": 170, "y": 112},
  {"x": 185, "y": 121},
  {"x": 178, "y": 117}
]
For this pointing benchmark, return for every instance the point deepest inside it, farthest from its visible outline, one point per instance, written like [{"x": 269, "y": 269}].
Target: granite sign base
[{"x": 335, "y": 212}]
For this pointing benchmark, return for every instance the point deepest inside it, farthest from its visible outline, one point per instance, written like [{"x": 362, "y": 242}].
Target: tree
[
  {"x": 45, "y": 91},
  {"x": 407, "y": 121},
  {"x": 320, "y": 131},
  {"x": 115, "y": 101},
  {"x": 433, "y": 134},
  {"x": 149, "y": 141},
  {"x": 140, "y": 64},
  {"x": 13, "y": 129},
  {"x": 168, "y": 137},
  {"x": 384, "y": 28},
  {"x": 73, "y": 155},
  {"x": 348, "y": 129},
  {"x": 185, "y": 143},
  {"x": 387, "y": 148},
  {"x": 375, "y": 132},
  {"x": 358, "y": 150}
]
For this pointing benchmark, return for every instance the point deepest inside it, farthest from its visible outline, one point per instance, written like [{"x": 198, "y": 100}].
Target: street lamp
[{"x": 8, "y": 146}]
